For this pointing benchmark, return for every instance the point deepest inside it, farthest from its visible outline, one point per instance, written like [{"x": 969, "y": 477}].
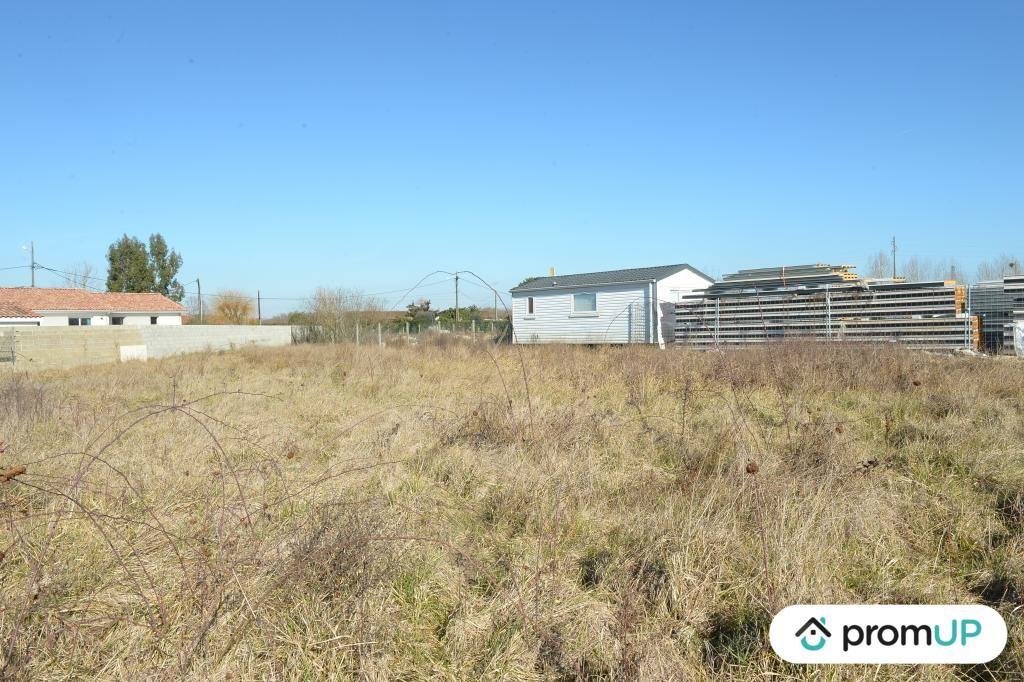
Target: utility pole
[
  {"x": 456, "y": 297},
  {"x": 199, "y": 295},
  {"x": 259, "y": 309},
  {"x": 894, "y": 257},
  {"x": 495, "y": 305},
  {"x": 32, "y": 252}
]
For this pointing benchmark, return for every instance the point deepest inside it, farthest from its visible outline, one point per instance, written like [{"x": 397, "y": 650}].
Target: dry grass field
[{"x": 456, "y": 511}]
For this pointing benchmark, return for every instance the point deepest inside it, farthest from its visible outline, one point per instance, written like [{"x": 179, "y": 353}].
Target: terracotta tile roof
[
  {"x": 40, "y": 299},
  {"x": 11, "y": 310}
]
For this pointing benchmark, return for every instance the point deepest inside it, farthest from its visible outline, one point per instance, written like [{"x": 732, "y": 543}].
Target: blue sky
[{"x": 282, "y": 146}]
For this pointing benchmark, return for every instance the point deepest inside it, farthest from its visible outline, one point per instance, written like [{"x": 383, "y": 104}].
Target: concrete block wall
[
  {"x": 65, "y": 347},
  {"x": 164, "y": 341}
]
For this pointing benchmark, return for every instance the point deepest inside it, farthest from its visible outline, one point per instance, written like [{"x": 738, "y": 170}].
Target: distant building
[
  {"x": 44, "y": 307},
  {"x": 616, "y": 306}
]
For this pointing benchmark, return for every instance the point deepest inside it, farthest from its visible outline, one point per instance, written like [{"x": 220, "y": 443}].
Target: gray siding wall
[{"x": 623, "y": 314}]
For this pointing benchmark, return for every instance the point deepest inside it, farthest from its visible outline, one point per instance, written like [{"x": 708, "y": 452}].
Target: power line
[
  {"x": 70, "y": 277},
  {"x": 82, "y": 281},
  {"x": 307, "y": 298}
]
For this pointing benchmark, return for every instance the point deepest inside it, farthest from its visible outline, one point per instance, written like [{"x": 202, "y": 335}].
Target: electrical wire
[{"x": 82, "y": 280}]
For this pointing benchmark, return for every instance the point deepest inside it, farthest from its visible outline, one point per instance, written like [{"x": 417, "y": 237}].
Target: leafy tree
[
  {"x": 165, "y": 264},
  {"x": 466, "y": 313},
  {"x": 295, "y": 317},
  {"x": 414, "y": 310},
  {"x": 419, "y": 313},
  {"x": 232, "y": 307},
  {"x": 128, "y": 266},
  {"x": 131, "y": 267}
]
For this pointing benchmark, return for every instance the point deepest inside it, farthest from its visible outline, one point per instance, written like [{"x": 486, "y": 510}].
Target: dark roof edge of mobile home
[{"x": 584, "y": 279}]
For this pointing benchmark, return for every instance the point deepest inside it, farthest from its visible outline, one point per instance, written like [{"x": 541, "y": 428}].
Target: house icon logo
[{"x": 816, "y": 630}]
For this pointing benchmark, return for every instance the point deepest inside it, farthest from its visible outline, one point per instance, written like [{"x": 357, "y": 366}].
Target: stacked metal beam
[
  {"x": 995, "y": 302},
  {"x": 824, "y": 302},
  {"x": 1013, "y": 287}
]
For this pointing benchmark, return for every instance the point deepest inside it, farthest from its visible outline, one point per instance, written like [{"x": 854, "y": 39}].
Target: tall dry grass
[{"x": 416, "y": 512}]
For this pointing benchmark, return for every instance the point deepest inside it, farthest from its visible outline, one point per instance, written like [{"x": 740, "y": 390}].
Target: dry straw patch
[{"x": 424, "y": 512}]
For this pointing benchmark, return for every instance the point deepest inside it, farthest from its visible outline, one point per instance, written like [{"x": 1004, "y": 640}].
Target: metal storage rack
[{"x": 829, "y": 302}]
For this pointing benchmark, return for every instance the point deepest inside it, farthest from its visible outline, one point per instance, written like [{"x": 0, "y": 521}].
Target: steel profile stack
[
  {"x": 995, "y": 302},
  {"x": 1013, "y": 287},
  {"x": 824, "y": 301}
]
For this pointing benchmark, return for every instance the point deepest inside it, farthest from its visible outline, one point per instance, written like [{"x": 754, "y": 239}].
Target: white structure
[
  {"x": 617, "y": 306},
  {"x": 45, "y": 307}
]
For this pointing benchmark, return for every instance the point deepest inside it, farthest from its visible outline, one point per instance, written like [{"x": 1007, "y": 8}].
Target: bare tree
[
  {"x": 336, "y": 312},
  {"x": 193, "y": 306},
  {"x": 232, "y": 307},
  {"x": 879, "y": 266},
  {"x": 950, "y": 268},
  {"x": 79, "y": 275},
  {"x": 918, "y": 269},
  {"x": 996, "y": 268}
]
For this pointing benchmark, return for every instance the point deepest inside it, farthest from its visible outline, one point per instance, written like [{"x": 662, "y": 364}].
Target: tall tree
[
  {"x": 128, "y": 266},
  {"x": 916, "y": 269},
  {"x": 131, "y": 267},
  {"x": 998, "y": 267},
  {"x": 165, "y": 264},
  {"x": 879, "y": 266}
]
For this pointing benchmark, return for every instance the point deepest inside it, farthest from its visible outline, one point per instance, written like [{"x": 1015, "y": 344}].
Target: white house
[
  {"x": 617, "y": 306},
  {"x": 45, "y": 307}
]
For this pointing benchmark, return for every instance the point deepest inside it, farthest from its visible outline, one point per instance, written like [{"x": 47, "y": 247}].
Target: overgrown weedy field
[{"x": 460, "y": 511}]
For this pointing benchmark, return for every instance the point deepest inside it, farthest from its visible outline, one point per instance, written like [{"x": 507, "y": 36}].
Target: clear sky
[{"x": 364, "y": 144}]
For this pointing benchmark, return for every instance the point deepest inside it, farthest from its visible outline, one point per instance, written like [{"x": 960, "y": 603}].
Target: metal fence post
[
  {"x": 357, "y": 333},
  {"x": 380, "y": 337},
  {"x": 968, "y": 327},
  {"x": 828, "y": 311},
  {"x": 717, "y": 331}
]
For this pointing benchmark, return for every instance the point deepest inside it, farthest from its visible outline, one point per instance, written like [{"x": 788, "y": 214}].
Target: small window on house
[
  {"x": 79, "y": 321},
  {"x": 117, "y": 320},
  {"x": 73, "y": 321},
  {"x": 584, "y": 303},
  {"x": 85, "y": 321},
  {"x": 529, "y": 305},
  {"x": 152, "y": 320}
]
